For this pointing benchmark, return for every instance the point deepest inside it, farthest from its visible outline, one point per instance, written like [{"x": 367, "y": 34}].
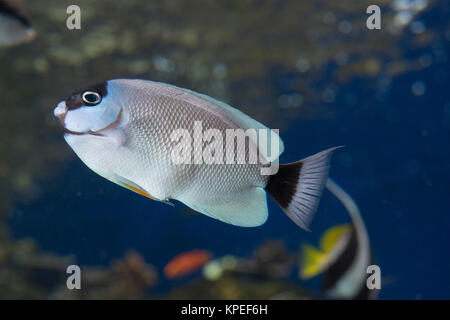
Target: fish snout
[{"x": 60, "y": 113}]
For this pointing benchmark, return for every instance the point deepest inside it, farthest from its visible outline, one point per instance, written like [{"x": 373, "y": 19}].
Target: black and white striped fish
[{"x": 343, "y": 255}]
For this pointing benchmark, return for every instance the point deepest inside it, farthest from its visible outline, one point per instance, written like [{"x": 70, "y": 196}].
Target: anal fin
[{"x": 247, "y": 208}]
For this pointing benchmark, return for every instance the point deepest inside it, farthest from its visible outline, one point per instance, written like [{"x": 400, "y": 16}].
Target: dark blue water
[{"x": 396, "y": 164}]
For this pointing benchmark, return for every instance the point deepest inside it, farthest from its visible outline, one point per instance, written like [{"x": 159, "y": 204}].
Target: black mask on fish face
[{"x": 89, "y": 111}]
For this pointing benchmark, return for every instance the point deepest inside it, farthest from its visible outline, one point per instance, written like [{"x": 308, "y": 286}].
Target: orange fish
[{"x": 186, "y": 263}]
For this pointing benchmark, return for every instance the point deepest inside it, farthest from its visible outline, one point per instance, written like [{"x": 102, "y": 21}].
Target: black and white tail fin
[{"x": 297, "y": 187}]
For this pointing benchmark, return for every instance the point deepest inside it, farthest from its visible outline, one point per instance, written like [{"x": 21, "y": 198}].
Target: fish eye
[{"x": 91, "y": 98}]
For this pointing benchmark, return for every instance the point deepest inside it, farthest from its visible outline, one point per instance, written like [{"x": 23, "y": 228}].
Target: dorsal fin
[{"x": 243, "y": 121}]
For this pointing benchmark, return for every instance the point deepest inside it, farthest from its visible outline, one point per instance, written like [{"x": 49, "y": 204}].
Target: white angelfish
[{"x": 121, "y": 129}]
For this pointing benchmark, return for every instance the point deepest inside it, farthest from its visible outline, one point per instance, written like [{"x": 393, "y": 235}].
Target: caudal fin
[{"x": 297, "y": 187}]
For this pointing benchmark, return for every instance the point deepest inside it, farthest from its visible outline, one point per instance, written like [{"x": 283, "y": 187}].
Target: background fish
[
  {"x": 121, "y": 129},
  {"x": 14, "y": 26},
  {"x": 333, "y": 241},
  {"x": 186, "y": 263},
  {"x": 344, "y": 255}
]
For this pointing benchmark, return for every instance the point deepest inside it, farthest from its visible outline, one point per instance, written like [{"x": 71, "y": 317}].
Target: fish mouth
[
  {"x": 98, "y": 133},
  {"x": 78, "y": 133}
]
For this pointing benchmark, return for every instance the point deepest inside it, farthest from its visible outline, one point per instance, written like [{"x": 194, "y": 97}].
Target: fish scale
[{"x": 152, "y": 139}]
